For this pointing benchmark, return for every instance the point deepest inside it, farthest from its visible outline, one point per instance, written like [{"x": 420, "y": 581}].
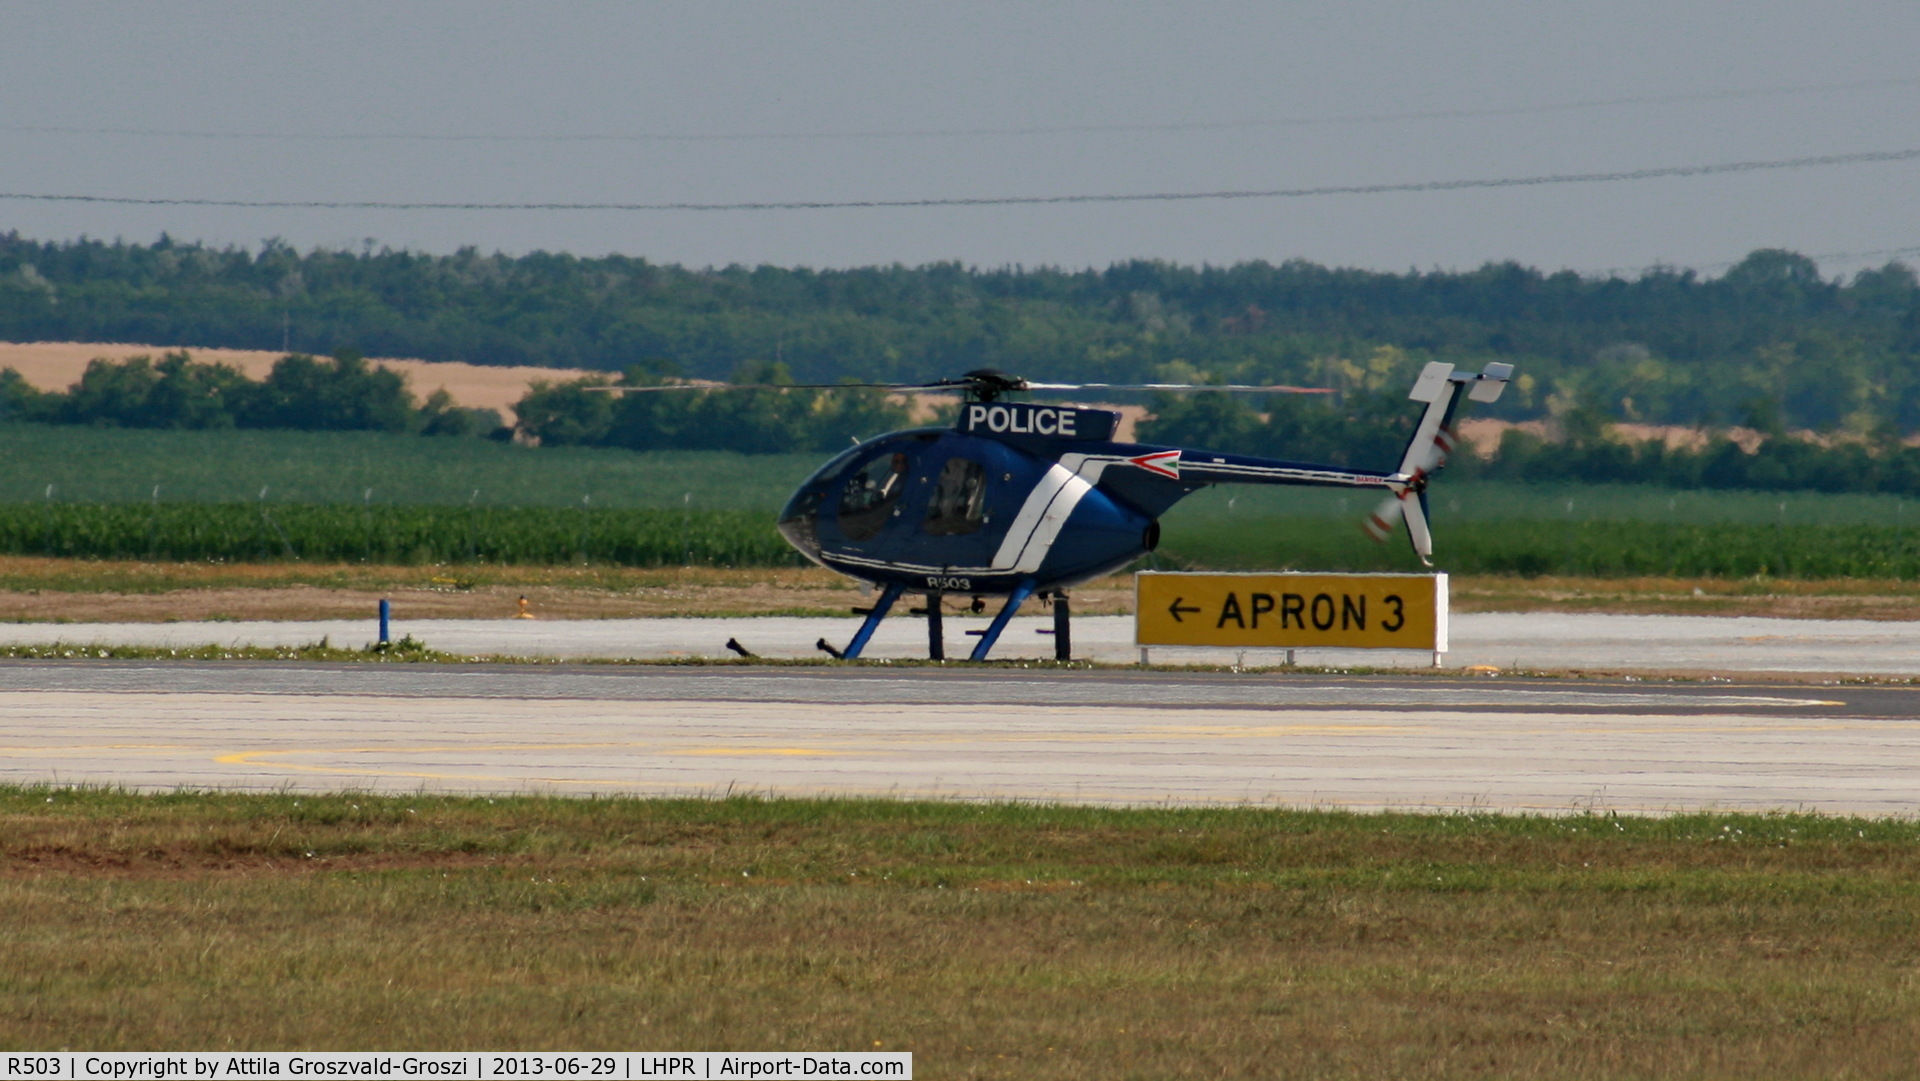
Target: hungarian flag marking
[{"x": 1165, "y": 462}]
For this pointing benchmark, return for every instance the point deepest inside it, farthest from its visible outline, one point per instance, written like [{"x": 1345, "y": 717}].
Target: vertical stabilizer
[{"x": 1441, "y": 387}]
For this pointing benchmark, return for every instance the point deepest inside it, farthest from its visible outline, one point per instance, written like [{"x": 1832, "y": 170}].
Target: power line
[
  {"x": 1819, "y": 257},
  {"x": 977, "y": 132},
  {"x": 1855, "y": 256},
  {"x": 1861, "y": 158}
]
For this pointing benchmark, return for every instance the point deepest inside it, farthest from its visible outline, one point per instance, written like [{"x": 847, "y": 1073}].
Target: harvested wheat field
[{"x": 58, "y": 365}]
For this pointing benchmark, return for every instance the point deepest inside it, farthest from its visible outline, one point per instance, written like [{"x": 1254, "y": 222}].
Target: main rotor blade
[
  {"x": 904, "y": 388},
  {"x": 952, "y": 385},
  {"x": 1232, "y": 388}
]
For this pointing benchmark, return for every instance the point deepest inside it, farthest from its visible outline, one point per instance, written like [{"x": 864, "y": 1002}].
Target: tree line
[
  {"x": 1771, "y": 343},
  {"x": 345, "y": 393},
  {"x": 1666, "y": 346},
  {"x": 600, "y": 412}
]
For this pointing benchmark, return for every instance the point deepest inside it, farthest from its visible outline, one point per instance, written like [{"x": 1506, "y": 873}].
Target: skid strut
[
  {"x": 1062, "y": 628},
  {"x": 992, "y": 634},
  {"x": 936, "y": 632},
  {"x": 888, "y": 594}
]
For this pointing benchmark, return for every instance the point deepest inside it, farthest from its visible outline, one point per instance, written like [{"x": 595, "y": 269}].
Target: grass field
[{"x": 992, "y": 941}]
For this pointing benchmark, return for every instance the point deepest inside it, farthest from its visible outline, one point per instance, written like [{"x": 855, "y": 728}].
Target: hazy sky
[{"x": 719, "y": 102}]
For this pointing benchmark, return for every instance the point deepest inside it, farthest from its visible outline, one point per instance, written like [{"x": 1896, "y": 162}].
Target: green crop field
[
  {"x": 991, "y": 941},
  {"x": 637, "y": 537},
  {"x": 263, "y": 532},
  {"x": 115, "y": 465},
  {"x": 1599, "y": 548},
  {"x": 255, "y": 495},
  {"x": 1455, "y": 500}
]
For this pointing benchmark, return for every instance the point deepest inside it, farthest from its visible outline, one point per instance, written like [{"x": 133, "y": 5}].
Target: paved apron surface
[
  {"x": 1505, "y": 640},
  {"x": 1105, "y": 737}
]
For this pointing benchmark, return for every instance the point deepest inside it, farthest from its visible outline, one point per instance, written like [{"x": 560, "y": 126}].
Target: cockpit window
[
  {"x": 799, "y": 520},
  {"x": 959, "y": 499},
  {"x": 869, "y": 495}
]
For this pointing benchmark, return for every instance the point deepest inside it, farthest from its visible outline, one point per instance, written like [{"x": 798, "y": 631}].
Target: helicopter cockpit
[
  {"x": 859, "y": 489},
  {"x": 878, "y": 493},
  {"x": 868, "y": 495}
]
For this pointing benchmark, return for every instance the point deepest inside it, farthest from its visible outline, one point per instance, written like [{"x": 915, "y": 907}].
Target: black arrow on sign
[{"x": 1176, "y": 608}]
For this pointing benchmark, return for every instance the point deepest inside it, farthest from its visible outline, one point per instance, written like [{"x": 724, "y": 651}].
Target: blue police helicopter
[{"x": 1025, "y": 500}]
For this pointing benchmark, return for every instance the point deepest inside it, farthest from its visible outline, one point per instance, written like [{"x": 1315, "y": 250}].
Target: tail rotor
[
  {"x": 1433, "y": 440},
  {"x": 1407, "y": 499}
]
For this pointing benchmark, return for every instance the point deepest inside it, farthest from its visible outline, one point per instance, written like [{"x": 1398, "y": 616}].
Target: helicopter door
[
  {"x": 959, "y": 499},
  {"x": 871, "y": 491}
]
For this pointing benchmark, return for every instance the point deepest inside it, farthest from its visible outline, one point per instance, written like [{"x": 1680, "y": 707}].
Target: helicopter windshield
[
  {"x": 959, "y": 499},
  {"x": 869, "y": 495}
]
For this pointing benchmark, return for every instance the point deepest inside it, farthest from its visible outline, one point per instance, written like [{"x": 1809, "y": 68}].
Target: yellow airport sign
[{"x": 1288, "y": 611}]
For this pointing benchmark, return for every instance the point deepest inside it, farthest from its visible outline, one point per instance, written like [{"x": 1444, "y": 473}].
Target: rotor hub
[{"x": 988, "y": 384}]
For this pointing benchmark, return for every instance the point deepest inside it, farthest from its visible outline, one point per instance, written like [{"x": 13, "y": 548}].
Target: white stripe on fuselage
[{"x": 1046, "y": 511}]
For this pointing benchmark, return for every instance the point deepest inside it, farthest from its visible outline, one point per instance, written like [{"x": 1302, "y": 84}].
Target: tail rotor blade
[
  {"x": 1416, "y": 511},
  {"x": 1380, "y": 524},
  {"x": 1410, "y": 505}
]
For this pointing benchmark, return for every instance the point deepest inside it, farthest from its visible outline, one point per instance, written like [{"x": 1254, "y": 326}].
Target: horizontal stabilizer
[{"x": 1489, "y": 383}]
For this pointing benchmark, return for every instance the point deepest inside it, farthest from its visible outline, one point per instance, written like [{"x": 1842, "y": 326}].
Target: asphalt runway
[{"x": 1111, "y": 737}]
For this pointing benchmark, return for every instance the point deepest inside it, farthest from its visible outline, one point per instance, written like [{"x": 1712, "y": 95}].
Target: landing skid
[{"x": 936, "y": 625}]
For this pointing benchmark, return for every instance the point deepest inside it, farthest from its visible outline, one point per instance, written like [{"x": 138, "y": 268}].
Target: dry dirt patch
[{"x": 84, "y": 591}]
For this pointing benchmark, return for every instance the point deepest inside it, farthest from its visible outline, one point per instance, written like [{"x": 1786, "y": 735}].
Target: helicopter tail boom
[{"x": 1439, "y": 386}]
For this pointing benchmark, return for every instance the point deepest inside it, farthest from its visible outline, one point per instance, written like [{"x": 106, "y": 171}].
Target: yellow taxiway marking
[
  {"x": 243, "y": 758},
  {"x": 277, "y": 756},
  {"x": 27, "y": 752},
  {"x": 882, "y": 745},
  {"x": 754, "y": 752},
  {"x": 1235, "y": 731},
  {"x": 258, "y": 758},
  {"x": 1797, "y": 726}
]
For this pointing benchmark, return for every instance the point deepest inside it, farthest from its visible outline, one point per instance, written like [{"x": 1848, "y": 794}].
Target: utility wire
[
  {"x": 1819, "y": 257},
  {"x": 1861, "y": 158},
  {"x": 964, "y": 133}
]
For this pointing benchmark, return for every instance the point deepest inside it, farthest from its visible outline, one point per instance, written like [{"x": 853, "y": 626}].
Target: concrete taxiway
[
  {"x": 1534, "y": 641},
  {"x": 1081, "y": 736}
]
